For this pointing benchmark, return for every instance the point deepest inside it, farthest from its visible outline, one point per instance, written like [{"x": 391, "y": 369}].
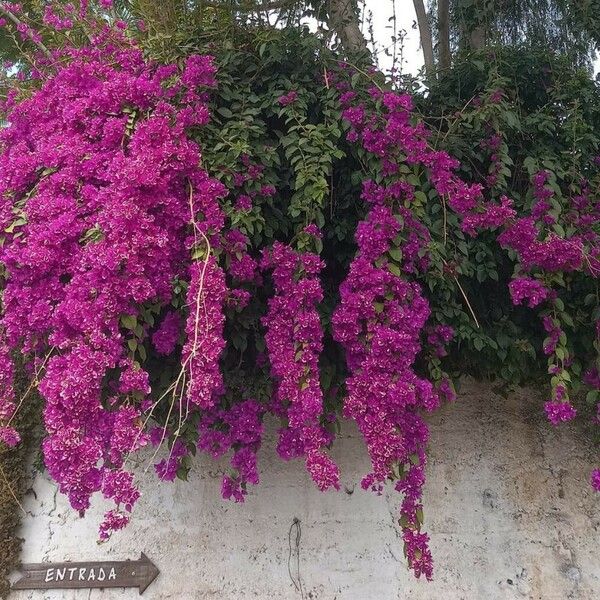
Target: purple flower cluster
[
  {"x": 165, "y": 338},
  {"x": 493, "y": 144},
  {"x": 239, "y": 428},
  {"x": 554, "y": 331},
  {"x": 595, "y": 479},
  {"x": 542, "y": 194},
  {"x": 552, "y": 254},
  {"x": 557, "y": 412},
  {"x": 167, "y": 468},
  {"x": 531, "y": 290},
  {"x": 241, "y": 266},
  {"x": 95, "y": 210},
  {"x": 392, "y": 132},
  {"x": 113, "y": 521},
  {"x": 288, "y": 98},
  {"x": 244, "y": 203},
  {"x": 491, "y": 216},
  {"x": 294, "y": 340},
  {"x": 438, "y": 337},
  {"x": 56, "y": 21}
]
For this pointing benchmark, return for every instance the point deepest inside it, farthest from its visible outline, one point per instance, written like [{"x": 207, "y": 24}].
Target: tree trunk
[
  {"x": 444, "y": 56},
  {"x": 478, "y": 31},
  {"x": 477, "y": 38},
  {"x": 425, "y": 33},
  {"x": 343, "y": 19}
]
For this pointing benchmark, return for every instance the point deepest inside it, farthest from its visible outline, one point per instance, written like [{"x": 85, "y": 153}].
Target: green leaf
[
  {"x": 420, "y": 516},
  {"x": 129, "y": 321},
  {"x": 396, "y": 254},
  {"x": 394, "y": 269}
]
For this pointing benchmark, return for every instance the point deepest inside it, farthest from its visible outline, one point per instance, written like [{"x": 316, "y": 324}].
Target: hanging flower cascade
[
  {"x": 382, "y": 314},
  {"x": 294, "y": 340},
  {"x": 393, "y": 245},
  {"x": 99, "y": 186},
  {"x": 546, "y": 255},
  {"x": 555, "y": 242},
  {"x": 123, "y": 257},
  {"x": 378, "y": 322}
]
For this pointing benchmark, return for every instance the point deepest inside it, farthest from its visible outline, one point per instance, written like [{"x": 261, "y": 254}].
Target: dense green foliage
[
  {"x": 569, "y": 28},
  {"x": 548, "y": 118}
]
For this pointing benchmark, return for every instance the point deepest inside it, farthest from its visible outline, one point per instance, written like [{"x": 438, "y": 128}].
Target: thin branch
[
  {"x": 274, "y": 5},
  {"x": 18, "y": 22},
  {"x": 462, "y": 291}
]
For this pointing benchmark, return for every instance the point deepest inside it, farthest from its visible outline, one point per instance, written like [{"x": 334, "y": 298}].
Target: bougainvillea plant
[{"x": 195, "y": 239}]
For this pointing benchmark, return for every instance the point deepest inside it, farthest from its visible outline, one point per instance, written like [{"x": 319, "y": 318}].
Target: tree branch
[
  {"x": 40, "y": 46},
  {"x": 262, "y": 6},
  {"x": 425, "y": 33},
  {"x": 343, "y": 19}
]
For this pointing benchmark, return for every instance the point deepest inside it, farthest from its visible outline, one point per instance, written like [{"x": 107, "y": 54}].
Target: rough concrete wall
[{"x": 508, "y": 508}]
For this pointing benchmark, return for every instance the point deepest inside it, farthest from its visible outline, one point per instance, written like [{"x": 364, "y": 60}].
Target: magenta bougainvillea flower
[
  {"x": 104, "y": 233},
  {"x": 294, "y": 339}
]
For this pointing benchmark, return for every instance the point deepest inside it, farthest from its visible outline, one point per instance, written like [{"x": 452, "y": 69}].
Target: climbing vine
[{"x": 198, "y": 239}]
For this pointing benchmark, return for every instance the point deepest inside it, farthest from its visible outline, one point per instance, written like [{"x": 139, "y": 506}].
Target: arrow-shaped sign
[{"x": 103, "y": 574}]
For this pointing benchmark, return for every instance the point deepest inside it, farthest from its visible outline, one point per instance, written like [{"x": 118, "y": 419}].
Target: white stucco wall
[{"x": 508, "y": 508}]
